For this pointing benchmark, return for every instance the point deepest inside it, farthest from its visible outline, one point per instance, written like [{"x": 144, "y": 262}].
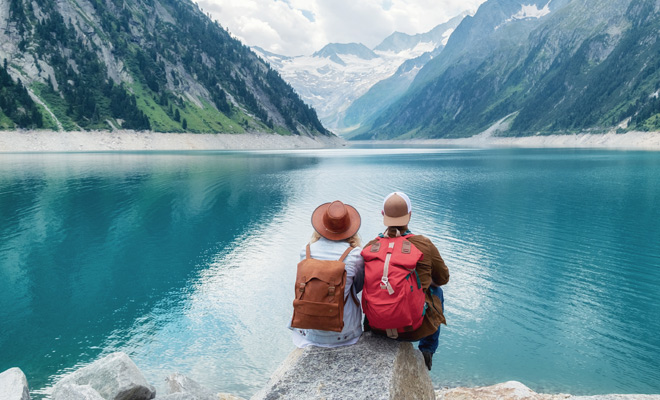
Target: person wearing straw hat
[
  {"x": 336, "y": 237},
  {"x": 429, "y": 267}
]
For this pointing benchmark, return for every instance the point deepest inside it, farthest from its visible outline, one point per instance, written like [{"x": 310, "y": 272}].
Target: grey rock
[
  {"x": 180, "y": 384},
  {"x": 177, "y": 396},
  {"x": 618, "y": 397},
  {"x": 188, "y": 396},
  {"x": 514, "y": 390},
  {"x": 75, "y": 392},
  {"x": 13, "y": 385},
  {"x": 114, "y": 377},
  {"x": 229, "y": 396},
  {"x": 374, "y": 368},
  {"x": 511, "y": 390}
]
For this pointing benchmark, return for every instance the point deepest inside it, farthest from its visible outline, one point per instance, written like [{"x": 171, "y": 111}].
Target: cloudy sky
[{"x": 301, "y": 27}]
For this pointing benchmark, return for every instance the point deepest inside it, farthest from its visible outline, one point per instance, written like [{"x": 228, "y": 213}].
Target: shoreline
[
  {"x": 37, "y": 141},
  {"x": 24, "y": 141},
  {"x": 633, "y": 140}
]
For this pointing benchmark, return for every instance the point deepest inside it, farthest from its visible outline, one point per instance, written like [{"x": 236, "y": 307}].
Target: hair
[
  {"x": 354, "y": 240},
  {"x": 393, "y": 231}
]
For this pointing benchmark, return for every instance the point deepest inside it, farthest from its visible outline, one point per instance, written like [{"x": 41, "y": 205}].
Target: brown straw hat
[{"x": 336, "y": 220}]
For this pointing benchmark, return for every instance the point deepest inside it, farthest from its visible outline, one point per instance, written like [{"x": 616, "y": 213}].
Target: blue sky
[{"x": 301, "y": 27}]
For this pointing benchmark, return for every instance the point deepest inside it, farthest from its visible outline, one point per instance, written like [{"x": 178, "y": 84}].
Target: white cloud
[{"x": 300, "y": 27}]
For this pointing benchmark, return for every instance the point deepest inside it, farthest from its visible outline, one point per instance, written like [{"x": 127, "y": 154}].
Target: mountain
[
  {"x": 536, "y": 67},
  {"x": 137, "y": 64},
  {"x": 386, "y": 92},
  {"x": 398, "y": 41},
  {"x": 382, "y": 94},
  {"x": 336, "y": 76},
  {"x": 334, "y": 52}
]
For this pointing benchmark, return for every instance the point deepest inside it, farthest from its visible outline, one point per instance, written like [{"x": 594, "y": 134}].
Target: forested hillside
[
  {"x": 160, "y": 65},
  {"x": 548, "y": 67}
]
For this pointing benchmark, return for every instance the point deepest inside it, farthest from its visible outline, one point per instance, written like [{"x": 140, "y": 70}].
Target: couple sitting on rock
[{"x": 398, "y": 273}]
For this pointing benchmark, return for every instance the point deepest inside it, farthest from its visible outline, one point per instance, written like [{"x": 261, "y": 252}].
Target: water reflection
[
  {"x": 185, "y": 261},
  {"x": 91, "y": 242}
]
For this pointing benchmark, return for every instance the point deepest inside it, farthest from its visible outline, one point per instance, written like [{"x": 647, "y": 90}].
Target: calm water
[{"x": 186, "y": 260}]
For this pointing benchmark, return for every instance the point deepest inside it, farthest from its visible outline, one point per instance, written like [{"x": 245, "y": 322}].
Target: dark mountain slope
[
  {"x": 573, "y": 67},
  {"x": 144, "y": 64}
]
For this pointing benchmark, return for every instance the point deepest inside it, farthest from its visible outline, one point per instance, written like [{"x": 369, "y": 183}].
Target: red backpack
[{"x": 392, "y": 297}]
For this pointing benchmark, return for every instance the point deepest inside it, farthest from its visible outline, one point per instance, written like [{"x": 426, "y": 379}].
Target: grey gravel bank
[
  {"x": 125, "y": 140},
  {"x": 647, "y": 141}
]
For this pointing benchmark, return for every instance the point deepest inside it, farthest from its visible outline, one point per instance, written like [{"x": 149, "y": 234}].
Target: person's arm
[
  {"x": 354, "y": 271},
  {"x": 432, "y": 261},
  {"x": 439, "y": 270}
]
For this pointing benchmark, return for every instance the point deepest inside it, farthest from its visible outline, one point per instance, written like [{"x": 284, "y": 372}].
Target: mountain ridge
[
  {"x": 571, "y": 69},
  {"x": 336, "y": 76},
  {"x": 159, "y": 65}
]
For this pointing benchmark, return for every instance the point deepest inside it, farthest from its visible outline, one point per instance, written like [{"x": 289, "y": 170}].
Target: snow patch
[
  {"x": 532, "y": 11},
  {"x": 330, "y": 87},
  {"x": 528, "y": 11},
  {"x": 446, "y": 35}
]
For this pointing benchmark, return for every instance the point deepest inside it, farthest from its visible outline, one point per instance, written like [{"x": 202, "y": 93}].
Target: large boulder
[
  {"x": 70, "y": 391},
  {"x": 514, "y": 390},
  {"x": 374, "y": 368},
  {"x": 181, "y": 384},
  {"x": 114, "y": 377},
  {"x": 13, "y": 385},
  {"x": 511, "y": 390},
  {"x": 180, "y": 387}
]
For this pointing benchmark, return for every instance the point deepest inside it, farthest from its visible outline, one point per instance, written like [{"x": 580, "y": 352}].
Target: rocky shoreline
[
  {"x": 116, "y": 377},
  {"x": 126, "y": 140},
  {"x": 613, "y": 141}
]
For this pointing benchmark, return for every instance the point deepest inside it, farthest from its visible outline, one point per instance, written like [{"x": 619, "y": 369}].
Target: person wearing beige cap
[
  {"x": 415, "y": 257},
  {"x": 335, "y": 238}
]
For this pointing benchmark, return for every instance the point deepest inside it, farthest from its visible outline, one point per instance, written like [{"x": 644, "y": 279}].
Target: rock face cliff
[
  {"x": 138, "y": 64},
  {"x": 541, "y": 66}
]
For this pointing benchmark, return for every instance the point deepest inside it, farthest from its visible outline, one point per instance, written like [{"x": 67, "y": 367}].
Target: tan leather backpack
[{"x": 319, "y": 302}]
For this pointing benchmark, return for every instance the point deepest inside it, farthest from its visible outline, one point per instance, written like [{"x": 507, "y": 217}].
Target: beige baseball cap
[{"x": 396, "y": 209}]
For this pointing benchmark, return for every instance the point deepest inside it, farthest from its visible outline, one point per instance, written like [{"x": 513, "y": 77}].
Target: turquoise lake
[{"x": 186, "y": 261}]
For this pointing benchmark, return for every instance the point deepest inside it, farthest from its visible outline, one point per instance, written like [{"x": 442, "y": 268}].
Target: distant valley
[
  {"x": 332, "y": 79},
  {"x": 520, "y": 68}
]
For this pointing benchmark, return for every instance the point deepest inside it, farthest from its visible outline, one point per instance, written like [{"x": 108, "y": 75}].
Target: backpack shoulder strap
[
  {"x": 308, "y": 252},
  {"x": 343, "y": 256},
  {"x": 354, "y": 297}
]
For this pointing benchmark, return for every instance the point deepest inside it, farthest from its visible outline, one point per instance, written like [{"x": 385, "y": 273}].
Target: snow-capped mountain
[
  {"x": 532, "y": 67},
  {"x": 331, "y": 79}
]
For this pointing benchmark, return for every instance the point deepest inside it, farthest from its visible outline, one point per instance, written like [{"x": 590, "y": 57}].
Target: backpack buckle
[
  {"x": 385, "y": 284},
  {"x": 331, "y": 290},
  {"x": 301, "y": 287}
]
